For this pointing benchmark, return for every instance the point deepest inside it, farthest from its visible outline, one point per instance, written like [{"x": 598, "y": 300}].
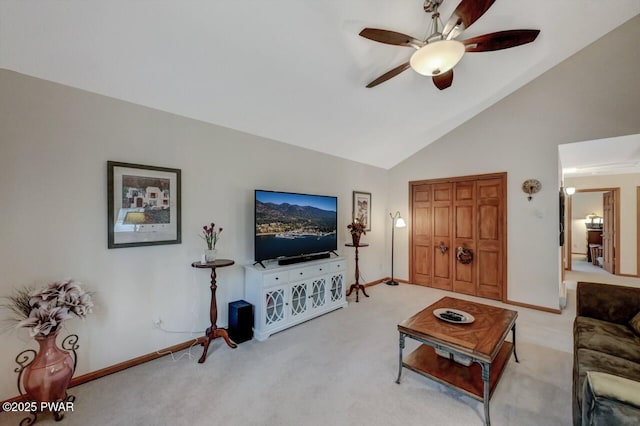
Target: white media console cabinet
[{"x": 284, "y": 296}]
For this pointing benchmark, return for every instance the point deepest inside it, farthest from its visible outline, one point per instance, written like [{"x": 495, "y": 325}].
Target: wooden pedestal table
[
  {"x": 480, "y": 343},
  {"x": 357, "y": 286},
  {"x": 213, "y": 331}
]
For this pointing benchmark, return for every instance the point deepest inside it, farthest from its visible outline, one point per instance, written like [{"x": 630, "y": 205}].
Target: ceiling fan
[{"x": 437, "y": 54}]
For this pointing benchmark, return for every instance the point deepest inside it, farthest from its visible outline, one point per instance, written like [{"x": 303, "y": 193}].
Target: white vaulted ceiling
[
  {"x": 608, "y": 156},
  {"x": 292, "y": 70}
]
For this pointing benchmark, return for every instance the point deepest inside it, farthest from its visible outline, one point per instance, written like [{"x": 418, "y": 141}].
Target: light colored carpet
[
  {"x": 339, "y": 369},
  {"x": 585, "y": 271},
  {"x": 579, "y": 263}
]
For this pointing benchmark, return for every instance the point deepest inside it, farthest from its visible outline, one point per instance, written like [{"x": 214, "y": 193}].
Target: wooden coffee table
[{"x": 482, "y": 343}]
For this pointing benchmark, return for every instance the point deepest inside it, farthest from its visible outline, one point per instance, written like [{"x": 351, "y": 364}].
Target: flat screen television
[{"x": 293, "y": 225}]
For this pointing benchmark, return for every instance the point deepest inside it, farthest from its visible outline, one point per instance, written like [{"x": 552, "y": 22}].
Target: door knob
[{"x": 443, "y": 248}]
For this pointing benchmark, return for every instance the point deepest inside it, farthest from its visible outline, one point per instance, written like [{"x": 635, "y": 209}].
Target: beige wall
[
  {"x": 580, "y": 99},
  {"x": 628, "y": 184},
  {"x": 55, "y": 142}
]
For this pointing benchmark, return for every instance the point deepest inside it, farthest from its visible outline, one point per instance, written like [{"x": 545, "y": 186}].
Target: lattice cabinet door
[
  {"x": 298, "y": 295},
  {"x": 336, "y": 288},
  {"x": 275, "y": 306},
  {"x": 318, "y": 290}
]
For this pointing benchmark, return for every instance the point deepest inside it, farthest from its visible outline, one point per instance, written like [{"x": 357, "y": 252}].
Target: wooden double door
[{"x": 458, "y": 234}]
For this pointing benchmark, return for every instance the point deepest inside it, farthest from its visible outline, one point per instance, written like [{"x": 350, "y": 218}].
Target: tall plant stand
[
  {"x": 357, "y": 286},
  {"x": 213, "y": 331}
]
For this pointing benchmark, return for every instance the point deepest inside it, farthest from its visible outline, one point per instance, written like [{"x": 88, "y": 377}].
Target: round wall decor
[{"x": 531, "y": 186}]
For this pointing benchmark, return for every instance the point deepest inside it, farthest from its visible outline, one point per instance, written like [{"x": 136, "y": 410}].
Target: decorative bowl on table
[{"x": 454, "y": 316}]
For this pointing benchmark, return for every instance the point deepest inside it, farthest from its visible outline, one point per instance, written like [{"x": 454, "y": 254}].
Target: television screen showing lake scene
[{"x": 294, "y": 224}]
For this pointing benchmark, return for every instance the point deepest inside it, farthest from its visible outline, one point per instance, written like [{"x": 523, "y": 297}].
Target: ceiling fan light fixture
[{"x": 437, "y": 57}]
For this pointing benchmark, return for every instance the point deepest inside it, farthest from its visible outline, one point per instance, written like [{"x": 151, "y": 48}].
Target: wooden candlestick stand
[
  {"x": 357, "y": 286},
  {"x": 213, "y": 331}
]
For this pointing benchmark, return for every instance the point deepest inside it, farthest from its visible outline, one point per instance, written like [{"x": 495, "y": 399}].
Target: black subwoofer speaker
[{"x": 240, "y": 321}]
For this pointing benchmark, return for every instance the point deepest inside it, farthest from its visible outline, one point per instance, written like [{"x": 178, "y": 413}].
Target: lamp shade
[
  {"x": 593, "y": 221},
  {"x": 437, "y": 57},
  {"x": 400, "y": 223}
]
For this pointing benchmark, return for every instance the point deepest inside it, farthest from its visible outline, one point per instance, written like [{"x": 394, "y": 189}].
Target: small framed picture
[
  {"x": 143, "y": 206},
  {"x": 362, "y": 208}
]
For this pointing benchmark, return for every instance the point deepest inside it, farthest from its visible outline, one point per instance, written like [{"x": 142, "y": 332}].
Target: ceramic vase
[
  {"x": 356, "y": 239},
  {"x": 46, "y": 379}
]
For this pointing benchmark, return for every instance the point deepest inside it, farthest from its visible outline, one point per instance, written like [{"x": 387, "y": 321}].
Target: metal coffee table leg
[
  {"x": 400, "y": 358},
  {"x": 485, "y": 379},
  {"x": 513, "y": 332}
]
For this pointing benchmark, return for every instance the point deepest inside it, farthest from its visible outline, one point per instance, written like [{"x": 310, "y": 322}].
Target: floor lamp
[{"x": 396, "y": 222}]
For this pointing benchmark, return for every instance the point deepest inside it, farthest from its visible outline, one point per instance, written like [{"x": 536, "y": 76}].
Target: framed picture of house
[
  {"x": 362, "y": 208},
  {"x": 143, "y": 205}
]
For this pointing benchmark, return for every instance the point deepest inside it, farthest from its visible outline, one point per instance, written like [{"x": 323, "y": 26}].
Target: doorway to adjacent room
[{"x": 593, "y": 230}]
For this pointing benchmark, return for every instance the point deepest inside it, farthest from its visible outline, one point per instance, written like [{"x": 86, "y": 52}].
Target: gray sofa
[{"x": 606, "y": 351}]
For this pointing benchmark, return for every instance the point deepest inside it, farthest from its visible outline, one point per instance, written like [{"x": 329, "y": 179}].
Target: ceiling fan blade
[
  {"x": 444, "y": 80},
  {"x": 467, "y": 12},
  {"x": 389, "y": 74},
  {"x": 500, "y": 40},
  {"x": 391, "y": 37}
]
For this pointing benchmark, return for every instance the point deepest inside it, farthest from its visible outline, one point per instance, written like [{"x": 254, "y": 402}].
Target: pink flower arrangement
[
  {"x": 357, "y": 227},
  {"x": 210, "y": 235},
  {"x": 43, "y": 311}
]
